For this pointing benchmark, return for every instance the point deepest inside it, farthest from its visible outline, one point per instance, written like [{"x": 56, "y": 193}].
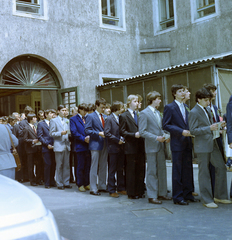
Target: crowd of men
[{"x": 122, "y": 140}]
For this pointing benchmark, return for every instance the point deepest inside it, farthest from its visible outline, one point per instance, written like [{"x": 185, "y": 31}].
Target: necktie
[
  {"x": 83, "y": 119},
  {"x": 208, "y": 116},
  {"x": 157, "y": 117},
  {"x": 214, "y": 120},
  {"x": 135, "y": 117},
  {"x": 183, "y": 111},
  {"x": 34, "y": 129},
  {"x": 102, "y": 120}
]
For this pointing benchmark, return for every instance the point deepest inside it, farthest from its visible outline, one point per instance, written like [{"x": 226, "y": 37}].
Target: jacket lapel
[
  {"x": 98, "y": 119},
  {"x": 60, "y": 123},
  {"x": 32, "y": 131},
  {"x": 203, "y": 114},
  {"x": 130, "y": 117},
  {"x": 179, "y": 112},
  {"x": 79, "y": 119},
  {"x": 153, "y": 116},
  {"x": 45, "y": 125},
  {"x": 114, "y": 119}
]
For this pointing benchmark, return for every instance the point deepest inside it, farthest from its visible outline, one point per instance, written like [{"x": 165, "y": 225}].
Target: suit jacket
[
  {"x": 77, "y": 128},
  {"x": 43, "y": 136},
  {"x": 149, "y": 129},
  {"x": 127, "y": 129},
  {"x": 112, "y": 135},
  {"x": 174, "y": 123},
  {"x": 199, "y": 126},
  {"x": 6, "y": 158},
  {"x": 22, "y": 125},
  {"x": 61, "y": 142},
  {"x": 28, "y": 136},
  {"x": 93, "y": 126},
  {"x": 15, "y": 130}
]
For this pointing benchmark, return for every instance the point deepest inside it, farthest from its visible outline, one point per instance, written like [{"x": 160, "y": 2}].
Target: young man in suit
[
  {"x": 175, "y": 121},
  {"x": 59, "y": 130},
  {"x": 135, "y": 165},
  {"x": 202, "y": 126},
  {"x": 30, "y": 139},
  {"x": 150, "y": 128},
  {"x": 94, "y": 127},
  {"x": 82, "y": 156},
  {"x": 47, "y": 149},
  {"x": 115, "y": 151}
]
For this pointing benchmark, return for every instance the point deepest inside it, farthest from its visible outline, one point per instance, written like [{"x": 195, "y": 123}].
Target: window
[
  {"x": 112, "y": 13},
  {"x": 205, "y": 7},
  {"x": 166, "y": 14},
  {"x": 30, "y": 6}
]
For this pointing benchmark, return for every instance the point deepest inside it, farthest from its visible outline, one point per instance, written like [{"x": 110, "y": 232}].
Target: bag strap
[{"x": 10, "y": 138}]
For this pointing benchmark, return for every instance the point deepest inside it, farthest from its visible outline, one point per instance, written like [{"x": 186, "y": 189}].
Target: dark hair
[
  {"x": 140, "y": 99},
  {"x": 90, "y": 107},
  {"x": 46, "y": 112},
  {"x": 39, "y": 112},
  {"x": 108, "y": 105},
  {"x": 28, "y": 109},
  {"x": 210, "y": 86},
  {"x": 11, "y": 119},
  {"x": 203, "y": 93},
  {"x": 30, "y": 116},
  {"x": 116, "y": 106},
  {"x": 175, "y": 88},
  {"x": 60, "y": 107},
  {"x": 100, "y": 101},
  {"x": 152, "y": 96},
  {"x": 82, "y": 106}
]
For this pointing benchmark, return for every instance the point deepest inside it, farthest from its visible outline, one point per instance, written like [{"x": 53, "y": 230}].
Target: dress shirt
[
  {"x": 182, "y": 108},
  {"x": 204, "y": 112},
  {"x": 116, "y": 117},
  {"x": 33, "y": 127},
  {"x": 156, "y": 113},
  {"x": 99, "y": 115},
  {"x": 212, "y": 109},
  {"x": 46, "y": 121},
  {"x": 131, "y": 112}
]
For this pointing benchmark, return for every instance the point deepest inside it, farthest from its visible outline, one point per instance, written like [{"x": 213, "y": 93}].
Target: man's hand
[
  {"x": 214, "y": 127},
  {"x": 168, "y": 140},
  {"x": 137, "y": 135},
  {"x": 87, "y": 139},
  {"x": 230, "y": 146},
  {"x": 223, "y": 124},
  {"x": 101, "y": 134},
  {"x": 186, "y": 133},
  {"x": 160, "y": 139},
  {"x": 35, "y": 141},
  {"x": 63, "y": 132},
  {"x": 50, "y": 146},
  {"x": 120, "y": 142}
]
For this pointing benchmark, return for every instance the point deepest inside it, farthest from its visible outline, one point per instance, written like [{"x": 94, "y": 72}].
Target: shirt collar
[
  {"x": 178, "y": 103},
  {"x": 130, "y": 110},
  {"x": 201, "y": 106},
  {"x": 152, "y": 109},
  {"x": 115, "y": 116},
  {"x": 46, "y": 120},
  {"x": 79, "y": 115},
  {"x": 97, "y": 113}
]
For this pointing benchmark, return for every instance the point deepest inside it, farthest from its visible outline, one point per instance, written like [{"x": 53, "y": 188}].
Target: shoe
[
  {"x": 68, "y": 186},
  {"x": 225, "y": 201},
  {"x": 20, "y": 180},
  {"x": 33, "y": 184},
  {"x": 122, "y": 192},
  {"x": 114, "y": 195},
  {"x": 95, "y": 193},
  {"x": 142, "y": 196},
  {"x": 193, "y": 200},
  {"x": 72, "y": 181},
  {"x": 168, "y": 191},
  {"x": 211, "y": 205},
  {"x": 82, "y": 189},
  {"x": 182, "y": 202},
  {"x": 164, "y": 198},
  {"x": 47, "y": 187},
  {"x": 103, "y": 190},
  {"x": 133, "y": 197},
  {"x": 40, "y": 182},
  {"x": 61, "y": 187},
  {"x": 154, "y": 201},
  {"x": 194, "y": 194},
  {"x": 53, "y": 185},
  {"x": 87, "y": 187}
]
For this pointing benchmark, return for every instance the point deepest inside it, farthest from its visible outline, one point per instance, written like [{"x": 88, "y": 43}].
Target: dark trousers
[
  {"x": 39, "y": 165},
  {"x": 182, "y": 175},
  {"x": 49, "y": 168},
  {"x": 71, "y": 158},
  {"x": 83, "y": 162},
  {"x": 32, "y": 158},
  {"x": 116, "y": 165},
  {"x": 134, "y": 175}
]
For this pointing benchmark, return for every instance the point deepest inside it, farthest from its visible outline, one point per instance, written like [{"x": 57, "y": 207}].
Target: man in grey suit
[
  {"x": 59, "y": 130},
  {"x": 201, "y": 126},
  {"x": 150, "y": 128}
]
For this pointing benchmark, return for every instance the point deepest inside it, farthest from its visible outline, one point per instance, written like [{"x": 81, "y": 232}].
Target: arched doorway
[{"x": 27, "y": 80}]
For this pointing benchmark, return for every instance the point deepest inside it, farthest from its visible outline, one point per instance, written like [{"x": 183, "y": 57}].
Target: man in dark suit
[
  {"x": 115, "y": 151},
  {"x": 175, "y": 121},
  {"x": 205, "y": 146},
  {"x": 135, "y": 165},
  {"x": 82, "y": 156},
  {"x": 94, "y": 127},
  {"x": 30, "y": 140},
  {"x": 47, "y": 149}
]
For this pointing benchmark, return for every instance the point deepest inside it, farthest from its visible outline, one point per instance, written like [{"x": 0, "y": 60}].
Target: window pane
[
  {"x": 117, "y": 94},
  {"x": 106, "y": 95},
  {"x": 27, "y": 9},
  {"x": 113, "y": 8},
  {"x": 65, "y": 98},
  {"x": 104, "y": 7},
  {"x": 163, "y": 10},
  {"x": 171, "y": 9},
  {"x": 136, "y": 89}
]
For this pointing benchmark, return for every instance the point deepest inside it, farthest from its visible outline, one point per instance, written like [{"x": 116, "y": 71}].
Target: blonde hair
[{"x": 130, "y": 98}]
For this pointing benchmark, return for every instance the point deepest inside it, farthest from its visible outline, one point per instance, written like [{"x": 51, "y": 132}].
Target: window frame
[
  {"x": 157, "y": 21},
  {"x": 42, "y": 15},
  {"x": 121, "y": 16},
  {"x": 194, "y": 11}
]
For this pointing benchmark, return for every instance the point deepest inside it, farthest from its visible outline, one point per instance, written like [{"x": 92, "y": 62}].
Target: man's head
[
  {"x": 31, "y": 118},
  {"x": 82, "y": 109},
  {"x": 16, "y": 115},
  {"x": 41, "y": 114},
  {"x": 49, "y": 114},
  {"x": 178, "y": 92},
  {"x": 154, "y": 99},
  {"x": 28, "y": 110},
  {"x": 140, "y": 99},
  {"x": 211, "y": 88},
  {"x": 22, "y": 116},
  {"x": 132, "y": 102},
  {"x": 187, "y": 94},
  {"x": 117, "y": 107},
  {"x": 12, "y": 120},
  {"x": 107, "y": 109},
  {"x": 74, "y": 111},
  {"x": 90, "y": 108},
  {"x": 62, "y": 111},
  {"x": 100, "y": 105},
  {"x": 203, "y": 97}
]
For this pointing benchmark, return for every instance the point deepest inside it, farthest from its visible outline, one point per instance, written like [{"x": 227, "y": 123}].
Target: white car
[{"x": 23, "y": 215}]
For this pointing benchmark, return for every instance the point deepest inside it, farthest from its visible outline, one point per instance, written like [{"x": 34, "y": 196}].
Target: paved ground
[{"x": 87, "y": 217}]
